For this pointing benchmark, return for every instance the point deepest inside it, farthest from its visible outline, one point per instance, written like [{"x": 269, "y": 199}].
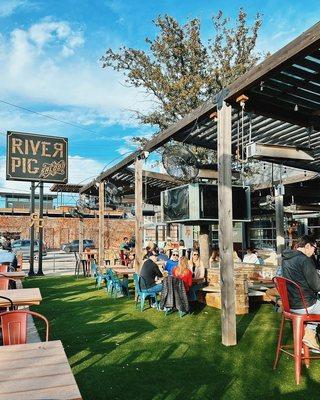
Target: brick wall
[{"x": 60, "y": 230}]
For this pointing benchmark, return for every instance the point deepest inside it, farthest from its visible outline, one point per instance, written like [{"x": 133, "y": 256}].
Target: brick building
[{"x": 63, "y": 229}]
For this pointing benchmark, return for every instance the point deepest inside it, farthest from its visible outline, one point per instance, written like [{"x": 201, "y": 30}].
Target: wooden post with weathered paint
[
  {"x": 204, "y": 244},
  {"x": 228, "y": 311},
  {"x": 101, "y": 223},
  {"x": 81, "y": 223},
  {"x": 138, "y": 213},
  {"x": 278, "y": 200}
]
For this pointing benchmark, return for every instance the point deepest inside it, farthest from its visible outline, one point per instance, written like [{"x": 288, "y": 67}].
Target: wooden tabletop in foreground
[
  {"x": 21, "y": 297},
  {"x": 14, "y": 275},
  {"x": 35, "y": 371}
]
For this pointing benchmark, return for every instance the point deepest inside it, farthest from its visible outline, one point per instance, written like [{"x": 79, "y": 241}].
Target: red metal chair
[
  {"x": 124, "y": 258},
  {"x": 3, "y": 268},
  {"x": 4, "y": 282},
  {"x": 14, "y": 326},
  {"x": 298, "y": 326}
]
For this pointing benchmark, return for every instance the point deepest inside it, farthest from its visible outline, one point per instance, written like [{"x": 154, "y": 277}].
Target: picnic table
[
  {"x": 20, "y": 297},
  {"x": 35, "y": 371}
]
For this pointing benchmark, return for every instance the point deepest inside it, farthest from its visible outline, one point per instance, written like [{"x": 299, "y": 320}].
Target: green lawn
[{"x": 117, "y": 352}]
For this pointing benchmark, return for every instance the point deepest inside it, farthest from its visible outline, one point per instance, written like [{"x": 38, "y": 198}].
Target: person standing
[{"x": 298, "y": 266}]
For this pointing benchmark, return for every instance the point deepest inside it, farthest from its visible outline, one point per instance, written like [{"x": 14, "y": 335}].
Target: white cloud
[
  {"x": 43, "y": 64},
  {"x": 8, "y": 7}
]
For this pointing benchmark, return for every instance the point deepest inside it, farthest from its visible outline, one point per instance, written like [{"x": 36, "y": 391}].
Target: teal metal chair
[
  {"x": 142, "y": 294},
  {"x": 118, "y": 285},
  {"x": 98, "y": 276},
  {"x": 109, "y": 281}
]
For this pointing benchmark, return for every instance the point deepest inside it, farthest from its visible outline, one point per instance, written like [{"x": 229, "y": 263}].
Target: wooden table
[
  {"x": 124, "y": 270},
  {"x": 88, "y": 257},
  {"x": 14, "y": 275},
  {"x": 21, "y": 297},
  {"x": 35, "y": 371}
]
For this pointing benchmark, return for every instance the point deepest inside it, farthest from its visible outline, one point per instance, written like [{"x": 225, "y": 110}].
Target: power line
[{"x": 49, "y": 117}]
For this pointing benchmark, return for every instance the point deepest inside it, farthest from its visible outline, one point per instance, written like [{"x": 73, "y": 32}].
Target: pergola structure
[
  {"x": 276, "y": 103},
  {"x": 150, "y": 185}
]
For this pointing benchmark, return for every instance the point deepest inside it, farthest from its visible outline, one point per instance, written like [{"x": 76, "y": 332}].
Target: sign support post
[
  {"x": 32, "y": 209},
  {"x": 40, "y": 271}
]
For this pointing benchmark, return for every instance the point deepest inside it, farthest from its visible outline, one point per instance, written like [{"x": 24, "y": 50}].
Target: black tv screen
[
  {"x": 209, "y": 202},
  {"x": 176, "y": 204}
]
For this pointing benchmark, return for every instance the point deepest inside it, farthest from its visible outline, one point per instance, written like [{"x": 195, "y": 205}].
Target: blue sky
[{"x": 49, "y": 62}]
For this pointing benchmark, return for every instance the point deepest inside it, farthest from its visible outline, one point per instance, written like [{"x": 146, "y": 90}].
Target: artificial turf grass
[{"x": 117, "y": 352}]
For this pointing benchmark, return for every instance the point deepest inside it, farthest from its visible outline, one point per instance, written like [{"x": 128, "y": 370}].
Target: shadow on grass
[{"x": 119, "y": 353}]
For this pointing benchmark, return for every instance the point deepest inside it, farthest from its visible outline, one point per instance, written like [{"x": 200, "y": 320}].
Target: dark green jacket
[{"x": 300, "y": 269}]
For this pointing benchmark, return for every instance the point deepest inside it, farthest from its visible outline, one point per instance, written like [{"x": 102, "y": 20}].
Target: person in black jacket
[
  {"x": 299, "y": 266},
  {"x": 149, "y": 272}
]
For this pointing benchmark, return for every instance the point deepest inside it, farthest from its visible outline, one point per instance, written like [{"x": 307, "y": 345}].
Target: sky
[{"x": 49, "y": 63}]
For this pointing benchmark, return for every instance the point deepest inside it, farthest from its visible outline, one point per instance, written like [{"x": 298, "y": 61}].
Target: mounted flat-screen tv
[{"x": 197, "y": 203}]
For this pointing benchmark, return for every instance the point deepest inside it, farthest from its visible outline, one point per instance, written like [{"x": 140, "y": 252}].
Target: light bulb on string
[
  {"x": 261, "y": 86},
  {"x": 296, "y": 108}
]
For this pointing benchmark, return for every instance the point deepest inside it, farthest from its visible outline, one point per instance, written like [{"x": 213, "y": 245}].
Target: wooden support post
[
  {"x": 101, "y": 223},
  {"x": 228, "y": 311},
  {"x": 204, "y": 243},
  {"x": 81, "y": 223},
  {"x": 138, "y": 213},
  {"x": 279, "y": 221}
]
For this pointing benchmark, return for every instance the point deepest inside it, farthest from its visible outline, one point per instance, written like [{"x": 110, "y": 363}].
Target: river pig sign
[{"x": 33, "y": 157}]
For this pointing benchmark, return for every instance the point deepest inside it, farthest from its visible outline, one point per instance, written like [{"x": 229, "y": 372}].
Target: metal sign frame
[{"x": 36, "y": 157}]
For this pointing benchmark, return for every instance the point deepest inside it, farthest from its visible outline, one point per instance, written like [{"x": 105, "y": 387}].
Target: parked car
[
  {"x": 22, "y": 246},
  {"x": 74, "y": 245}
]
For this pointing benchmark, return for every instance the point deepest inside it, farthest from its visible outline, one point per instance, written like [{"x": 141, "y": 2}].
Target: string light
[{"x": 261, "y": 86}]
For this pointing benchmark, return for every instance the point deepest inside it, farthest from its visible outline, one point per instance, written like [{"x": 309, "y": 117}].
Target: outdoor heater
[{"x": 197, "y": 203}]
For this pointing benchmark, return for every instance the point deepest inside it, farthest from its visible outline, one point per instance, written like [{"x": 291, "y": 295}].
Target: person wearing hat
[{"x": 173, "y": 262}]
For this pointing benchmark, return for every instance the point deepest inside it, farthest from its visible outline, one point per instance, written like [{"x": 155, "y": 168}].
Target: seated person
[
  {"x": 196, "y": 266},
  {"x": 183, "y": 272},
  {"x": 182, "y": 249},
  {"x": 131, "y": 257},
  {"x": 7, "y": 257},
  {"x": 125, "y": 245},
  {"x": 162, "y": 255},
  {"x": 168, "y": 246},
  {"x": 215, "y": 258},
  {"x": 298, "y": 266},
  {"x": 173, "y": 262},
  {"x": 149, "y": 272},
  {"x": 236, "y": 258},
  {"x": 251, "y": 256},
  {"x": 198, "y": 275}
]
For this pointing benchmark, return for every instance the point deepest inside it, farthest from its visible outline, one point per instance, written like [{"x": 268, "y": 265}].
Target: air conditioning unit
[{"x": 197, "y": 203}]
